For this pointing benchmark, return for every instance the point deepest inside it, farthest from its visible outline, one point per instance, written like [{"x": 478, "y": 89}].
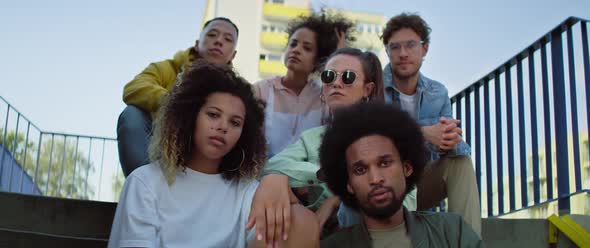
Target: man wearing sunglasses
[{"x": 450, "y": 171}]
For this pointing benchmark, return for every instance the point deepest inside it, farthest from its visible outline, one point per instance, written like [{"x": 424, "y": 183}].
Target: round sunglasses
[{"x": 329, "y": 76}]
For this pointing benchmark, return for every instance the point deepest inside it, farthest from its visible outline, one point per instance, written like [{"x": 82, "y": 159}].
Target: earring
[
  {"x": 241, "y": 162},
  {"x": 322, "y": 98}
]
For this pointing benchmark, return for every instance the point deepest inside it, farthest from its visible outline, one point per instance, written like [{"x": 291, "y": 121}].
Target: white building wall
[{"x": 247, "y": 15}]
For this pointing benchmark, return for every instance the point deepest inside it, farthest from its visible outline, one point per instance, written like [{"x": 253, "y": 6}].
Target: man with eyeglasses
[{"x": 450, "y": 170}]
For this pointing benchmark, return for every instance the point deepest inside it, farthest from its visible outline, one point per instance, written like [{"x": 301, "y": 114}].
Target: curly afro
[
  {"x": 324, "y": 25},
  {"x": 361, "y": 120}
]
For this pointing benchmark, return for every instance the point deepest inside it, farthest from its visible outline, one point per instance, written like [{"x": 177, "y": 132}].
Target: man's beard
[
  {"x": 407, "y": 76},
  {"x": 383, "y": 212}
]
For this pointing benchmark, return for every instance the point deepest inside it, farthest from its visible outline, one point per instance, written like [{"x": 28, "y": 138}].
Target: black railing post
[
  {"x": 534, "y": 132},
  {"x": 560, "y": 122},
  {"x": 574, "y": 109},
  {"x": 547, "y": 123},
  {"x": 586, "y": 53},
  {"x": 499, "y": 153},
  {"x": 524, "y": 198},
  {"x": 510, "y": 140},
  {"x": 477, "y": 111},
  {"x": 468, "y": 139},
  {"x": 458, "y": 109},
  {"x": 488, "y": 143}
]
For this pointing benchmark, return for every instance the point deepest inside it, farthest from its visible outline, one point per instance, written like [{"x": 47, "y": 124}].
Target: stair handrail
[
  {"x": 570, "y": 228},
  {"x": 510, "y": 96}
]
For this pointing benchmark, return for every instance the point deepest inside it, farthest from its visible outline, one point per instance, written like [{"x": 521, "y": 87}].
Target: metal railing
[
  {"x": 566, "y": 225},
  {"x": 545, "y": 154},
  {"x": 37, "y": 162}
]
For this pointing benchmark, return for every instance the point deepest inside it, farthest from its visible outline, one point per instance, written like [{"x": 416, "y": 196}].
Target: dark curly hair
[
  {"x": 324, "y": 25},
  {"x": 406, "y": 20},
  {"x": 361, "y": 120},
  {"x": 371, "y": 69},
  {"x": 172, "y": 145}
]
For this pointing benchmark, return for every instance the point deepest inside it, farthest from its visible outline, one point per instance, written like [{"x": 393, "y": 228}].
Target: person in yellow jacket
[{"x": 216, "y": 44}]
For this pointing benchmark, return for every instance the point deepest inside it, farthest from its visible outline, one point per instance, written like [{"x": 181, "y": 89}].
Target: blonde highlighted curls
[{"x": 172, "y": 144}]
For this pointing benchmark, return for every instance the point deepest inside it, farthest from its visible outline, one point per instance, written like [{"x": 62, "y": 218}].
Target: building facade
[{"x": 263, "y": 37}]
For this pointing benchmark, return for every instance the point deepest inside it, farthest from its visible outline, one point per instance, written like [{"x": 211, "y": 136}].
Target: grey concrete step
[
  {"x": 27, "y": 220},
  {"x": 36, "y": 221},
  {"x": 18, "y": 238},
  {"x": 508, "y": 233}
]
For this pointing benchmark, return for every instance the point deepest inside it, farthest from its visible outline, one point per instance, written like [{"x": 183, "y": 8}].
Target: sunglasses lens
[
  {"x": 348, "y": 77},
  {"x": 328, "y": 76}
]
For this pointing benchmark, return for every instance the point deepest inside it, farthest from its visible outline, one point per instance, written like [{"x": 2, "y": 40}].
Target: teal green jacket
[
  {"x": 300, "y": 161},
  {"x": 426, "y": 229}
]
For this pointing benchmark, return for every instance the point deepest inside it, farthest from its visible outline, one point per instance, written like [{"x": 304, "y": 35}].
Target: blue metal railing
[
  {"x": 537, "y": 150},
  {"x": 64, "y": 165}
]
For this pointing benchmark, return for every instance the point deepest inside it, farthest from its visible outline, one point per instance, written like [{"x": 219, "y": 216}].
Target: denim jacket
[{"x": 433, "y": 103}]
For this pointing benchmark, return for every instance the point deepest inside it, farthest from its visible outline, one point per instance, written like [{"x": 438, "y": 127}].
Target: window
[
  {"x": 369, "y": 28},
  {"x": 360, "y": 28},
  {"x": 273, "y": 57},
  {"x": 262, "y": 57},
  {"x": 264, "y": 28}
]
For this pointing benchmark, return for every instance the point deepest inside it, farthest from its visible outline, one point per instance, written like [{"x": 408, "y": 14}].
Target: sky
[{"x": 64, "y": 62}]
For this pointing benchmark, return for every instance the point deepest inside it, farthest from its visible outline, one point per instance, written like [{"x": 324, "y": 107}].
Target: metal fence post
[{"x": 560, "y": 122}]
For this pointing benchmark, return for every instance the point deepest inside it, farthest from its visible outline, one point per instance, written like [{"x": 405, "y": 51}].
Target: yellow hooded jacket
[{"x": 148, "y": 87}]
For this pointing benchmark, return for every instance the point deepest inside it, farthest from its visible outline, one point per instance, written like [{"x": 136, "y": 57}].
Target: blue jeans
[{"x": 134, "y": 131}]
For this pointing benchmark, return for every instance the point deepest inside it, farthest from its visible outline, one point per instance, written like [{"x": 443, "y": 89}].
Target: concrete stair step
[
  {"x": 36, "y": 221},
  {"x": 26, "y": 220},
  {"x": 508, "y": 233},
  {"x": 17, "y": 238}
]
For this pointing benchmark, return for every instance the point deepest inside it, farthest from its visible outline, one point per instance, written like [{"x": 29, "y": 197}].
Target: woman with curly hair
[
  {"x": 293, "y": 102},
  {"x": 206, "y": 151},
  {"x": 350, "y": 76}
]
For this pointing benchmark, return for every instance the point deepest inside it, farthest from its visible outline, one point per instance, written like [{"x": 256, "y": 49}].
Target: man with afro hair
[{"x": 371, "y": 156}]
